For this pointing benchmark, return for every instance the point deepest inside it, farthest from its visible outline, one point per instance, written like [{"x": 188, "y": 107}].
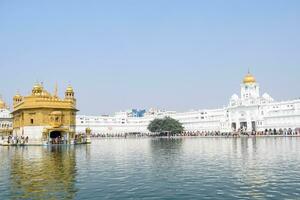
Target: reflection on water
[
  {"x": 166, "y": 147},
  {"x": 182, "y": 168},
  {"x": 42, "y": 172}
]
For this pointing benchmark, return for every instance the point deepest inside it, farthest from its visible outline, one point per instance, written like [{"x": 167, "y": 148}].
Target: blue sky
[{"x": 178, "y": 55}]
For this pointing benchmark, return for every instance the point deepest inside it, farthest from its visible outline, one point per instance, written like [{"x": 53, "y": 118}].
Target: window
[{"x": 31, "y": 121}]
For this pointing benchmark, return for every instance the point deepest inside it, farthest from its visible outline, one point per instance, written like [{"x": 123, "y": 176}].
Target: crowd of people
[
  {"x": 238, "y": 133},
  {"x": 81, "y": 138},
  {"x": 57, "y": 140},
  {"x": 16, "y": 140},
  {"x": 22, "y": 140}
]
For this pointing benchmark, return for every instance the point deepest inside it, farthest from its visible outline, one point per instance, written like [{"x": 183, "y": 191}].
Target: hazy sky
[{"x": 178, "y": 55}]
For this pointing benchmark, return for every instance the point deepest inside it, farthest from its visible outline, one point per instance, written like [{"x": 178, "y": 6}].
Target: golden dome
[
  {"x": 17, "y": 96},
  {"x": 249, "y": 78},
  {"x": 70, "y": 89},
  {"x": 37, "y": 86}
]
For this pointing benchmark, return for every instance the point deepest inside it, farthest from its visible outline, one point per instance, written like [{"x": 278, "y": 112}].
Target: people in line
[
  {"x": 237, "y": 133},
  {"x": 81, "y": 137},
  {"x": 57, "y": 140},
  {"x": 16, "y": 140}
]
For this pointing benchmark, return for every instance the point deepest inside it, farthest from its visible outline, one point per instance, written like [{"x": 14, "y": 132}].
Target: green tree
[{"x": 164, "y": 125}]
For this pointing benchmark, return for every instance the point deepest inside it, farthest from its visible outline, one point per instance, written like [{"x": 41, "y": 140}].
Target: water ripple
[{"x": 189, "y": 168}]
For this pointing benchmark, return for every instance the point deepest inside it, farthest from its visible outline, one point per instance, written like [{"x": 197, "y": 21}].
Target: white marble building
[
  {"x": 250, "y": 111},
  {"x": 5, "y": 118}
]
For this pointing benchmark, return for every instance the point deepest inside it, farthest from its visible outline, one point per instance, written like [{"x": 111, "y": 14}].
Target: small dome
[
  {"x": 38, "y": 86},
  {"x": 70, "y": 89},
  {"x": 249, "y": 78},
  {"x": 267, "y": 97},
  {"x": 234, "y": 97},
  {"x": 37, "y": 89},
  {"x": 17, "y": 96}
]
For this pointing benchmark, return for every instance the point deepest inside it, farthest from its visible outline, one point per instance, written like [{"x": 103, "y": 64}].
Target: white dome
[
  {"x": 266, "y": 96},
  {"x": 234, "y": 97}
]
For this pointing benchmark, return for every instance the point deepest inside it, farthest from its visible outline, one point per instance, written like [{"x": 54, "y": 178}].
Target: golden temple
[{"x": 44, "y": 118}]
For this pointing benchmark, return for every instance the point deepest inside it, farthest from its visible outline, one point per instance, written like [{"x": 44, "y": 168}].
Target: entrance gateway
[
  {"x": 243, "y": 125},
  {"x": 57, "y": 137},
  {"x": 55, "y": 134}
]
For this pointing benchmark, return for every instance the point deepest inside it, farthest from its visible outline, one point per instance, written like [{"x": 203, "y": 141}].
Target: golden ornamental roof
[
  {"x": 42, "y": 99},
  {"x": 249, "y": 78}
]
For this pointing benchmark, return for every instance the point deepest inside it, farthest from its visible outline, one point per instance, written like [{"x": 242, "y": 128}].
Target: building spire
[{"x": 56, "y": 90}]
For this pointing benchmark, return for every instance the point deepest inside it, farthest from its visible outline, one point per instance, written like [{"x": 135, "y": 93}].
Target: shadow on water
[
  {"x": 43, "y": 173},
  {"x": 166, "y": 145},
  {"x": 165, "y": 151}
]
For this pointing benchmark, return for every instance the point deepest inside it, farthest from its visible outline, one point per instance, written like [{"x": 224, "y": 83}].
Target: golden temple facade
[{"x": 45, "y": 118}]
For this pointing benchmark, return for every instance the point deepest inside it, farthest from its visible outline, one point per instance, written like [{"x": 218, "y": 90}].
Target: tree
[{"x": 164, "y": 125}]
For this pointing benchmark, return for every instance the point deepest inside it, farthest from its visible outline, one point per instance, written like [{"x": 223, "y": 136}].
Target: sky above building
[{"x": 176, "y": 55}]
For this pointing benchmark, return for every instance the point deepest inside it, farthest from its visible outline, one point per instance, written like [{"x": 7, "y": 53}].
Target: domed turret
[
  {"x": 17, "y": 98},
  {"x": 249, "y": 88},
  {"x": 37, "y": 89},
  {"x": 234, "y": 97},
  {"x": 69, "y": 94},
  {"x": 70, "y": 89},
  {"x": 267, "y": 97},
  {"x": 249, "y": 78}
]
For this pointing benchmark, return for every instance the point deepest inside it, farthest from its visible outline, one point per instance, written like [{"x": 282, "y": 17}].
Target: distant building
[
  {"x": 5, "y": 119},
  {"x": 248, "y": 112},
  {"x": 44, "y": 117},
  {"x": 138, "y": 113}
]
